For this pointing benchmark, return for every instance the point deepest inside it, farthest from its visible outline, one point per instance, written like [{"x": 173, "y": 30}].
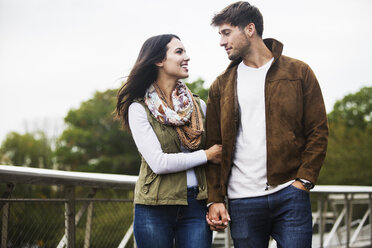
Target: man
[{"x": 267, "y": 111}]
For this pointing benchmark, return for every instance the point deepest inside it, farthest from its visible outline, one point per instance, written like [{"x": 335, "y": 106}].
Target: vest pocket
[{"x": 150, "y": 178}]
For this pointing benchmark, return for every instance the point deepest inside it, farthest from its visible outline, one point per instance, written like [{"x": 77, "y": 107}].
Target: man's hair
[{"x": 240, "y": 14}]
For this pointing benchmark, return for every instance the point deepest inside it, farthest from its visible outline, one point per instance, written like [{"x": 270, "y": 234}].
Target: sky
[{"x": 55, "y": 54}]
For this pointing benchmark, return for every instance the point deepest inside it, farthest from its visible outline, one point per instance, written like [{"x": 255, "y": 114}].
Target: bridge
[{"x": 95, "y": 209}]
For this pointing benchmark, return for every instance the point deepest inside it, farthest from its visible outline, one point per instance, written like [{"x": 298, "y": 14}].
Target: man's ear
[{"x": 250, "y": 29}]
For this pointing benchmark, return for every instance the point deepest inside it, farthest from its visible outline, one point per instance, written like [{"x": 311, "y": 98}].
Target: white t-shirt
[
  {"x": 149, "y": 146},
  {"x": 248, "y": 173}
]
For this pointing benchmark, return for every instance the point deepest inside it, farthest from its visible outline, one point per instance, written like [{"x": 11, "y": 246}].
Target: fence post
[
  {"x": 4, "y": 228},
  {"x": 88, "y": 226},
  {"x": 70, "y": 216},
  {"x": 320, "y": 225},
  {"x": 347, "y": 220},
  {"x": 370, "y": 216},
  {"x": 5, "y": 217}
]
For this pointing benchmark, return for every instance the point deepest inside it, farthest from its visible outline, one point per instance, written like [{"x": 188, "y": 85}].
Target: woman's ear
[{"x": 159, "y": 64}]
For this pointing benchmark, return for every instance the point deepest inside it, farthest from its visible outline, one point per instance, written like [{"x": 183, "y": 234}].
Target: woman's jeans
[
  {"x": 161, "y": 226},
  {"x": 284, "y": 215}
]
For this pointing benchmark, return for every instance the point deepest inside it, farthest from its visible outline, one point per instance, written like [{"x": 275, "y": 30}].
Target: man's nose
[{"x": 223, "y": 41}]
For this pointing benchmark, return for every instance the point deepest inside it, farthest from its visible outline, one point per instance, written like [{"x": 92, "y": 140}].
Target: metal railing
[
  {"x": 343, "y": 217},
  {"x": 347, "y": 228},
  {"x": 54, "y": 222},
  {"x": 340, "y": 220}
]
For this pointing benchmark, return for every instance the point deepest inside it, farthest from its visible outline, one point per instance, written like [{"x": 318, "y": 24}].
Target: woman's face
[{"x": 176, "y": 62}]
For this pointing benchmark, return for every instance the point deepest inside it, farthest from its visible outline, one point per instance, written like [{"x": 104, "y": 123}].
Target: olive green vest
[{"x": 167, "y": 189}]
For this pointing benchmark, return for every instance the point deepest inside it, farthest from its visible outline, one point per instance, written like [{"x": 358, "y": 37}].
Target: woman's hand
[
  {"x": 214, "y": 154},
  {"x": 217, "y": 218}
]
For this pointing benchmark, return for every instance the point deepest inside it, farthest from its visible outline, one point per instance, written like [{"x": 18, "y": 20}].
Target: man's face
[{"x": 234, "y": 40}]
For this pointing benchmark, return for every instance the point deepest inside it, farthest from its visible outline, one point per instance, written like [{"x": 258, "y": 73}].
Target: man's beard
[{"x": 234, "y": 56}]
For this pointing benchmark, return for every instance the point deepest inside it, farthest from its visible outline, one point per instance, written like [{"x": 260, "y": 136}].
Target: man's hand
[
  {"x": 299, "y": 185},
  {"x": 217, "y": 218}
]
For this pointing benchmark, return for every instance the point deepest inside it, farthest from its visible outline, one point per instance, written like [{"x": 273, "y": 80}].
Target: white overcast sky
[{"x": 54, "y": 54}]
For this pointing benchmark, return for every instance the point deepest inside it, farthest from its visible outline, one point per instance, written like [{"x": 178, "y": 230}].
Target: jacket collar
[{"x": 276, "y": 47}]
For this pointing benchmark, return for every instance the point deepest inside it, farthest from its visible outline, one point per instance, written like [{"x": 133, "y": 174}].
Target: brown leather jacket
[{"x": 296, "y": 123}]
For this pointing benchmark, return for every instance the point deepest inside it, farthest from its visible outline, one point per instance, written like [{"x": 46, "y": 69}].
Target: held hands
[
  {"x": 217, "y": 218},
  {"x": 214, "y": 154}
]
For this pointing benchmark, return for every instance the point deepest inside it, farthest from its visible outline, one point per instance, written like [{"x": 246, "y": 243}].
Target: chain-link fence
[
  {"x": 41, "y": 223},
  {"x": 47, "y": 208}
]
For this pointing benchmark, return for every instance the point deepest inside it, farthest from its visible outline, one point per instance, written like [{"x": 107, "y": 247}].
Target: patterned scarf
[{"x": 187, "y": 122}]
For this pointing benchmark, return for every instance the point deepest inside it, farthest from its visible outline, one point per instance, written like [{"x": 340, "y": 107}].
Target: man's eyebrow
[{"x": 223, "y": 30}]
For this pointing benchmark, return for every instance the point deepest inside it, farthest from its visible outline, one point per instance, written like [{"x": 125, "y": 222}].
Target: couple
[{"x": 261, "y": 148}]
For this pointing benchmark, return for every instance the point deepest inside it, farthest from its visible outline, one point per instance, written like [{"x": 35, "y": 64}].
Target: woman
[{"x": 166, "y": 121}]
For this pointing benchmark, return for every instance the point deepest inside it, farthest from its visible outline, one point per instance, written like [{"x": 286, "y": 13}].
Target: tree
[
  {"x": 29, "y": 149},
  {"x": 94, "y": 141},
  {"x": 349, "y": 157},
  {"x": 197, "y": 87},
  {"x": 354, "y": 110}
]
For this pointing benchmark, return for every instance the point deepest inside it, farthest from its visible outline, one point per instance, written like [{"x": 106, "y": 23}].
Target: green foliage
[
  {"x": 349, "y": 155},
  {"x": 32, "y": 150},
  {"x": 94, "y": 141},
  {"x": 29, "y": 149},
  {"x": 354, "y": 110},
  {"x": 197, "y": 87}
]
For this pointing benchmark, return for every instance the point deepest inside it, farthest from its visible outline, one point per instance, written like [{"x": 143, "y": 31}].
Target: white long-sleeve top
[{"x": 149, "y": 146}]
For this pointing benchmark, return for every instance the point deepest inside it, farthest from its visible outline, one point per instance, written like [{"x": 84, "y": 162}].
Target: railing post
[
  {"x": 78, "y": 216},
  {"x": 370, "y": 216},
  {"x": 126, "y": 238},
  {"x": 7, "y": 193},
  {"x": 321, "y": 219},
  {"x": 70, "y": 216},
  {"x": 347, "y": 220},
  {"x": 227, "y": 237},
  {"x": 88, "y": 226},
  {"x": 5, "y": 215},
  {"x": 4, "y": 228}
]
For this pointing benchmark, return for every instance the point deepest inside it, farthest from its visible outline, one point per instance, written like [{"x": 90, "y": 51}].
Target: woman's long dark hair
[{"x": 143, "y": 74}]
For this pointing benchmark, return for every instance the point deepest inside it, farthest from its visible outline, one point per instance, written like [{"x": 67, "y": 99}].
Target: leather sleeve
[
  {"x": 315, "y": 128},
  {"x": 213, "y": 131}
]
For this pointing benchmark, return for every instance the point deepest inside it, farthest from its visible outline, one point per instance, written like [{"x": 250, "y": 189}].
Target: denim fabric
[
  {"x": 162, "y": 226},
  {"x": 284, "y": 215}
]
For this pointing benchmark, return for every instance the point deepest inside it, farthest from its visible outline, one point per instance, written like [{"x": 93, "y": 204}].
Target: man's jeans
[
  {"x": 159, "y": 226},
  {"x": 284, "y": 215}
]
